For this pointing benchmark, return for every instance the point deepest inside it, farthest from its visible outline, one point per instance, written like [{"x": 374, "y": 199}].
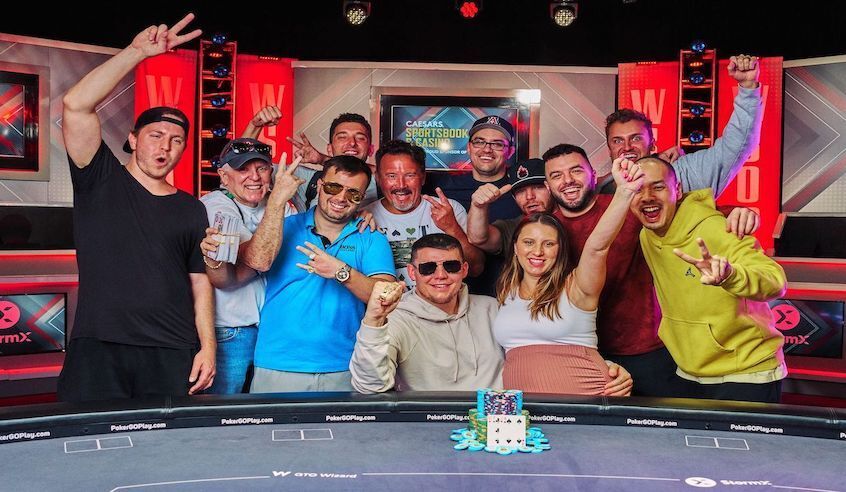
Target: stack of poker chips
[{"x": 492, "y": 402}]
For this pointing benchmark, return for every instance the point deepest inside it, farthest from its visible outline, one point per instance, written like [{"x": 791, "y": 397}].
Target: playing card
[{"x": 506, "y": 430}]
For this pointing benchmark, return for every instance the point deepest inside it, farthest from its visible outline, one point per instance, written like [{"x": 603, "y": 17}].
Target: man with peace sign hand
[
  {"x": 715, "y": 319},
  {"x": 144, "y": 321},
  {"x": 320, "y": 270},
  {"x": 405, "y": 214}
]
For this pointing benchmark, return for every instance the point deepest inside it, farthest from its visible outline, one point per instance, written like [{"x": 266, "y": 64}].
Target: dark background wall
[{"x": 607, "y": 32}]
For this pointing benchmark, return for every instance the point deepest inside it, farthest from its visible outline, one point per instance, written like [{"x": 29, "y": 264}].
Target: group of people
[{"x": 363, "y": 276}]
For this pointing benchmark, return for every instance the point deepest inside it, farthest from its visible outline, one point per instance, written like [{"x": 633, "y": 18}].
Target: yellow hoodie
[{"x": 715, "y": 331}]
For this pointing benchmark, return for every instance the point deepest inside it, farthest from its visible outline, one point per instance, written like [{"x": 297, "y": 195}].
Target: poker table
[{"x": 395, "y": 441}]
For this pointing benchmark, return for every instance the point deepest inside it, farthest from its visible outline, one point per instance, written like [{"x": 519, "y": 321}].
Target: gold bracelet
[{"x": 206, "y": 261}]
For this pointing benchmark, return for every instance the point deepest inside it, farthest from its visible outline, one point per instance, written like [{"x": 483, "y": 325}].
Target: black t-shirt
[
  {"x": 135, "y": 251},
  {"x": 460, "y": 187}
]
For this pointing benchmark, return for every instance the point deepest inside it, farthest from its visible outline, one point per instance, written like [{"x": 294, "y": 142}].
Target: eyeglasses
[
  {"x": 479, "y": 143},
  {"x": 352, "y": 195},
  {"x": 244, "y": 147},
  {"x": 428, "y": 268}
]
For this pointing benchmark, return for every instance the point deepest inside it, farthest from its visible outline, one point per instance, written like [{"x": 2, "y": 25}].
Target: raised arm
[
  {"x": 480, "y": 232},
  {"x": 80, "y": 124},
  {"x": 716, "y": 166},
  {"x": 266, "y": 116},
  {"x": 374, "y": 361},
  {"x": 589, "y": 275},
  {"x": 260, "y": 251}
]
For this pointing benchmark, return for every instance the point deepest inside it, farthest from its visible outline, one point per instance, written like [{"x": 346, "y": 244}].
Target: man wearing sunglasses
[
  {"x": 349, "y": 134},
  {"x": 144, "y": 322},
  {"x": 405, "y": 214},
  {"x": 436, "y": 337},
  {"x": 320, "y": 271},
  {"x": 245, "y": 196}
]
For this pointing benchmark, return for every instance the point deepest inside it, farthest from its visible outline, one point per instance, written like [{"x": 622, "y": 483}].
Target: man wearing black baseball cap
[
  {"x": 527, "y": 185},
  {"x": 144, "y": 322},
  {"x": 245, "y": 171}
]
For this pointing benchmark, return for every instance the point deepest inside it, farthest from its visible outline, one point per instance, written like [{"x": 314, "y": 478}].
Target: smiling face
[
  {"x": 487, "y": 162},
  {"x": 533, "y": 198},
  {"x": 250, "y": 183},
  {"x": 656, "y": 203},
  {"x": 401, "y": 181},
  {"x": 157, "y": 148},
  {"x": 338, "y": 208},
  {"x": 350, "y": 138},
  {"x": 631, "y": 140},
  {"x": 572, "y": 182},
  {"x": 537, "y": 249},
  {"x": 441, "y": 288}
]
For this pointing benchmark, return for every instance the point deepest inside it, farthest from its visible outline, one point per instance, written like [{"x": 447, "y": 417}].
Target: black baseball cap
[
  {"x": 527, "y": 172},
  {"x": 240, "y": 151},
  {"x": 495, "y": 122},
  {"x": 154, "y": 115}
]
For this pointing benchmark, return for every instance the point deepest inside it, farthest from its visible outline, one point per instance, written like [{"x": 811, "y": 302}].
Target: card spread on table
[{"x": 506, "y": 430}]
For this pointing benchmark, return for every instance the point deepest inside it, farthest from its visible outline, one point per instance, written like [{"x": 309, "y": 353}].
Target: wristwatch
[{"x": 343, "y": 274}]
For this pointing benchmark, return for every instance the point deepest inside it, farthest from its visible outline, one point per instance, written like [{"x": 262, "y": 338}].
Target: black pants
[
  {"x": 654, "y": 374},
  {"x": 97, "y": 370},
  {"x": 760, "y": 392}
]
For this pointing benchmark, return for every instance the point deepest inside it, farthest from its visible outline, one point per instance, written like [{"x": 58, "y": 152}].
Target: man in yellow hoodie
[{"x": 716, "y": 322}]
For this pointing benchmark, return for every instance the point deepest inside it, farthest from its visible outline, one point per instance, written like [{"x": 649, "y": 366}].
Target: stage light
[
  {"x": 220, "y": 131},
  {"x": 468, "y": 8},
  {"x": 696, "y": 137},
  {"x": 219, "y": 101},
  {"x": 563, "y": 12},
  {"x": 215, "y": 51},
  {"x": 698, "y": 46},
  {"x": 356, "y": 12},
  {"x": 220, "y": 71},
  {"x": 697, "y": 109},
  {"x": 215, "y": 161},
  {"x": 697, "y": 78},
  {"x": 219, "y": 38}
]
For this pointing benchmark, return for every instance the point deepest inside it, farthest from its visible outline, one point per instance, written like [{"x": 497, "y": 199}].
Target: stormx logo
[
  {"x": 16, "y": 338},
  {"x": 797, "y": 339}
]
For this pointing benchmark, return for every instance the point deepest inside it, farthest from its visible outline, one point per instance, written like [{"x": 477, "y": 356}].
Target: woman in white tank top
[{"x": 547, "y": 317}]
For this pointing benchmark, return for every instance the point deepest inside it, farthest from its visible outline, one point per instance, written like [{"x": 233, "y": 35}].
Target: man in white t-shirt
[{"x": 405, "y": 214}]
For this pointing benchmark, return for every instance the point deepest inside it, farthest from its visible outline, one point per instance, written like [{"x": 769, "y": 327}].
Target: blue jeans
[{"x": 235, "y": 349}]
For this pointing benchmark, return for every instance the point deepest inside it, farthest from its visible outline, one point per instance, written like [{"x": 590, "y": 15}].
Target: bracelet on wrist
[{"x": 213, "y": 267}]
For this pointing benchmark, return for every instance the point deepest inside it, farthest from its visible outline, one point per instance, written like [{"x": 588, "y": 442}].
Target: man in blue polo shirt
[{"x": 319, "y": 276}]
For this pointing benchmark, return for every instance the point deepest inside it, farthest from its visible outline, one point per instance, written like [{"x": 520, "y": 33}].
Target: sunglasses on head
[
  {"x": 244, "y": 147},
  {"x": 429, "y": 267},
  {"x": 352, "y": 195}
]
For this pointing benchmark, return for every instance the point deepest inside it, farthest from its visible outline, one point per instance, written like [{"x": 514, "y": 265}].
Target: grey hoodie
[{"x": 422, "y": 348}]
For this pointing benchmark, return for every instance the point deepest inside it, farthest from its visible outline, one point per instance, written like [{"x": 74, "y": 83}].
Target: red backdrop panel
[
  {"x": 758, "y": 184},
  {"x": 261, "y": 82},
  {"x": 653, "y": 89},
  {"x": 170, "y": 79}
]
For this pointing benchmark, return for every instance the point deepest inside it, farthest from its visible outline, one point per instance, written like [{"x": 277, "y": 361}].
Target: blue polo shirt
[{"x": 308, "y": 323}]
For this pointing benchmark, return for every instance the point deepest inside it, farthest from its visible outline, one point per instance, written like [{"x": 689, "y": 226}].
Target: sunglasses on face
[
  {"x": 354, "y": 196},
  {"x": 429, "y": 267},
  {"x": 244, "y": 147},
  {"x": 479, "y": 143}
]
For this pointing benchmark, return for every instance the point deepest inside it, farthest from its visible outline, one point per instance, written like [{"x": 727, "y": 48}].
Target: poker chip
[
  {"x": 461, "y": 446},
  {"x": 456, "y": 437},
  {"x": 525, "y": 449},
  {"x": 476, "y": 446},
  {"x": 504, "y": 450},
  {"x": 490, "y": 449}
]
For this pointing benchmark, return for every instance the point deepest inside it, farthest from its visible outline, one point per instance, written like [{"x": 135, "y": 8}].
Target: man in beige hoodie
[{"x": 438, "y": 336}]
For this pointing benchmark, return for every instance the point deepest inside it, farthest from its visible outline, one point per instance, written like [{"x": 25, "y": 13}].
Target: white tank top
[{"x": 514, "y": 327}]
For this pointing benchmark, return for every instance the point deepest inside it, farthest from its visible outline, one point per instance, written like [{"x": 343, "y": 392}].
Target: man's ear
[
  {"x": 411, "y": 272},
  {"x": 133, "y": 141}
]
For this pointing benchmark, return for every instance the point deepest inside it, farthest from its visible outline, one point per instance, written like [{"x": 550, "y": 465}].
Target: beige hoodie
[{"x": 422, "y": 348}]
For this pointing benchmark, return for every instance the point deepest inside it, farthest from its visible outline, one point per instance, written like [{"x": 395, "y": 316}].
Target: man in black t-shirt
[
  {"x": 490, "y": 146},
  {"x": 144, "y": 322}
]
